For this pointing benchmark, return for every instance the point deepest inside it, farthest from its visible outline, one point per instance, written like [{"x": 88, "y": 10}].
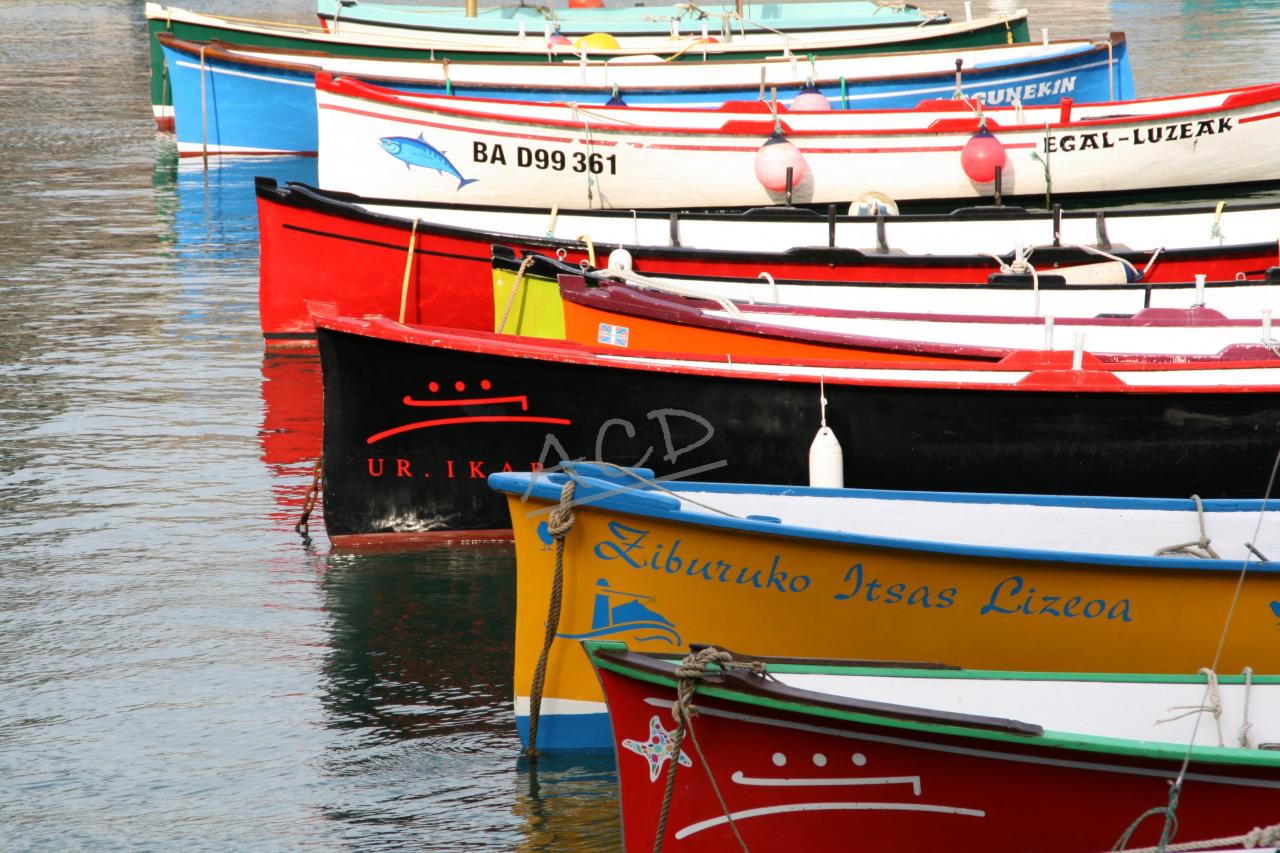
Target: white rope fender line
[
  {"x": 1094, "y": 250},
  {"x": 1245, "y": 725},
  {"x": 1021, "y": 266},
  {"x": 642, "y": 281},
  {"x": 1212, "y": 704}
]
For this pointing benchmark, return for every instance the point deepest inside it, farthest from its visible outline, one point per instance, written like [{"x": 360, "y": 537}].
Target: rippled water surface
[{"x": 178, "y": 668}]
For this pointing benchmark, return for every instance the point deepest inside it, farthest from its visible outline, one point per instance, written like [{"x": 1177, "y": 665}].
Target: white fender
[{"x": 826, "y": 460}]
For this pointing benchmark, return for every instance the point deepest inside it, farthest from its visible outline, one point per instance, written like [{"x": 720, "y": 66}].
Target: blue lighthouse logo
[{"x": 615, "y": 612}]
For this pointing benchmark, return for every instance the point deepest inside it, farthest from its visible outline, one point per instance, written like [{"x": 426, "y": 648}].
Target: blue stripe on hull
[
  {"x": 244, "y": 107},
  {"x": 569, "y": 731},
  {"x": 269, "y": 109}
]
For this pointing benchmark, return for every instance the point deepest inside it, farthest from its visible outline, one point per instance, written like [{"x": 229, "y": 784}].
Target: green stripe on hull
[{"x": 996, "y": 34}]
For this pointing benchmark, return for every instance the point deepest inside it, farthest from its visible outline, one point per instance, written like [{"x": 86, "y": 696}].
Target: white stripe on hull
[{"x": 952, "y": 237}]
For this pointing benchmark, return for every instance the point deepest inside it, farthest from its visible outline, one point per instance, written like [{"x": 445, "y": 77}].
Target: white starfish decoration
[{"x": 657, "y": 749}]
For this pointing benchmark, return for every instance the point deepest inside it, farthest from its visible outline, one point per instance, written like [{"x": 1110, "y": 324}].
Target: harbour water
[{"x": 179, "y": 669}]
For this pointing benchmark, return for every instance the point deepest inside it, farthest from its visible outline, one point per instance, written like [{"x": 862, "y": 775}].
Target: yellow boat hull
[{"x": 660, "y": 585}]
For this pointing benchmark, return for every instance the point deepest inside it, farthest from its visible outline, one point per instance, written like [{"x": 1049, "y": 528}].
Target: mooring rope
[
  {"x": 309, "y": 502},
  {"x": 691, "y": 7},
  {"x": 1022, "y": 266},
  {"x": 1170, "y": 812},
  {"x": 408, "y": 268},
  {"x": 1245, "y": 725},
  {"x": 1215, "y": 230},
  {"x": 273, "y": 24},
  {"x": 1189, "y": 549},
  {"x": 559, "y": 523},
  {"x": 515, "y": 288},
  {"x": 1094, "y": 250},
  {"x": 204, "y": 113},
  {"x": 1151, "y": 263},
  {"x": 1260, "y": 836},
  {"x": 1170, "y": 828},
  {"x": 688, "y": 673}
]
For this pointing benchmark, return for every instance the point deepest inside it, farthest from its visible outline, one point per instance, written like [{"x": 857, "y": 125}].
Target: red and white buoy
[
  {"x": 810, "y": 100},
  {"x": 982, "y": 155},
  {"x": 774, "y": 158}
]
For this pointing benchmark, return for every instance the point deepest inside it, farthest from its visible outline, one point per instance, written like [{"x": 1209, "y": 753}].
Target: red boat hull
[
  {"x": 333, "y": 252},
  {"x": 840, "y": 785}
]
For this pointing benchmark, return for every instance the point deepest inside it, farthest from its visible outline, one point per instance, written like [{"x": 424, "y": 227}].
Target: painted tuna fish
[{"x": 419, "y": 152}]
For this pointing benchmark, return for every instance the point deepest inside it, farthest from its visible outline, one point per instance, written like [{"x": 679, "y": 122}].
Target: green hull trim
[
  {"x": 1065, "y": 741},
  {"x": 1001, "y": 33}
]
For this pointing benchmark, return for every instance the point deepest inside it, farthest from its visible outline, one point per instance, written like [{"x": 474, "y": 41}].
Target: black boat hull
[{"x": 400, "y": 457}]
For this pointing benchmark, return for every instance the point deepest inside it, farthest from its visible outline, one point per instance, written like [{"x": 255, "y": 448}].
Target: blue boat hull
[{"x": 226, "y": 106}]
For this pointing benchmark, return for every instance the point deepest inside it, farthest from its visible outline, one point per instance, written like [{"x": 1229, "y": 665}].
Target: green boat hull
[{"x": 1003, "y": 32}]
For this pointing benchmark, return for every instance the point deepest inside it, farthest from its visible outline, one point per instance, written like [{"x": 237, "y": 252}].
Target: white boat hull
[{"x": 545, "y": 155}]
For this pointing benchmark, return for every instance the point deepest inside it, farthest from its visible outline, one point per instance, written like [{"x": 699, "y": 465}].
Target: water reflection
[
  {"x": 422, "y": 644},
  {"x": 292, "y": 398},
  {"x": 177, "y": 670},
  {"x": 217, "y": 214},
  {"x": 569, "y": 802}
]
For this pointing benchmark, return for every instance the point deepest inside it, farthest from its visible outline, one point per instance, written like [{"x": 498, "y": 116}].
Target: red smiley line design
[{"x": 491, "y": 419}]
